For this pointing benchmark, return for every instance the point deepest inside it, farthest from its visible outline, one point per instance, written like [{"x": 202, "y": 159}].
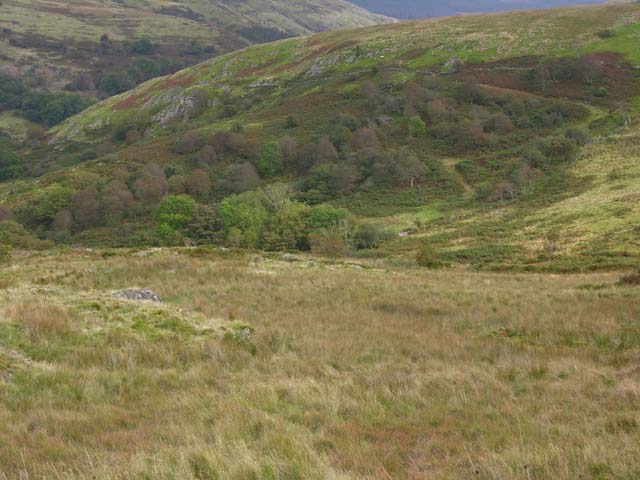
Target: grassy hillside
[
  {"x": 102, "y": 47},
  {"x": 255, "y": 367},
  {"x": 501, "y": 141}
]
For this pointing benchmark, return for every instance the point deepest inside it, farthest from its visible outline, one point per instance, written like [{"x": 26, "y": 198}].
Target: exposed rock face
[{"x": 139, "y": 295}]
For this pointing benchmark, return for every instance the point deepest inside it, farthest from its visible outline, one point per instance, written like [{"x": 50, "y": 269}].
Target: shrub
[
  {"x": 604, "y": 34},
  {"x": 427, "y": 255},
  {"x": 198, "y": 184},
  {"x": 239, "y": 178},
  {"x": 15, "y": 235},
  {"x": 601, "y": 92},
  {"x": 532, "y": 155},
  {"x": 204, "y": 227},
  {"x": 285, "y": 228},
  {"x": 151, "y": 184},
  {"x": 630, "y": 279},
  {"x": 551, "y": 244},
  {"x": 115, "y": 82},
  {"x": 409, "y": 169},
  {"x": 245, "y": 213},
  {"x": 43, "y": 205},
  {"x": 292, "y": 122},
  {"x": 10, "y": 164},
  {"x": 169, "y": 236},
  {"x": 470, "y": 134},
  {"x": 329, "y": 242},
  {"x": 143, "y": 46},
  {"x": 417, "y": 127},
  {"x": 270, "y": 161},
  {"x": 5, "y": 251},
  {"x": 173, "y": 214},
  {"x": 370, "y": 235},
  {"x": 323, "y": 217},
  {"x": 499, "y": 123},
  {"x": 365, "y": 138},
  {"x": 579, "y": 135},
  {"x": 206, "y": 156},
  {"x": 189, "y": 143},
  {"x": 176, "y": 211},
  {"x": 558, "y": 149}
]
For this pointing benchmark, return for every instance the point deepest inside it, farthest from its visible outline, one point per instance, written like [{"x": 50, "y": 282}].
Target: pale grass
[
  {"x": 358, "y": 374},
  {"x": 40, "y": 319}
]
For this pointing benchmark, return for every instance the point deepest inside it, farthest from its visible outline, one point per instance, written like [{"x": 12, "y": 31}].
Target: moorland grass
[{"x": 344, "y": 373}]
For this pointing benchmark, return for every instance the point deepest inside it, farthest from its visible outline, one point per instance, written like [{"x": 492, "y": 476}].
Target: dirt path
[{"x": 450, "y": 164}]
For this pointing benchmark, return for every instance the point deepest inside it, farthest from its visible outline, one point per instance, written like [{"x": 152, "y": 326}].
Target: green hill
[
  {"x": 97, "y": 48},
  {"x": 501, "y": 141}
]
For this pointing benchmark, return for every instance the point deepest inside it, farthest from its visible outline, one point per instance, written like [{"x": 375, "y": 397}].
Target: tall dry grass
[
  {"x": 42, "y": 320},
  {"x": 353, "y": 374}
]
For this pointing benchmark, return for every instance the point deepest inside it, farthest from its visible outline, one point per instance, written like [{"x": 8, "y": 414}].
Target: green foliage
[
  {"x": 606, "y": 33},
  {"x": 427, "y": 256},
  {"x": 601, "y": 92},
  {"x": 285, "y": 228},
  {"x": 12, "y": 92},
  {"x": 172, "y": 215},
  {"x": 292, "y": 121},
  {"x": 142, "y": 46},
  {"x": 270, "y": 161},
  {"x": 39, "y": 106},
  {"x": 558, "y": 149},
  {"x": 245, "y": 214},
  {"x": 322, "y": 217},
  {"x": 51, "y": 109},
  {"x": 262, "y": 34},
  {"x": 176, "y": 211},
  {"x": 417, "y": 127},
  {"x": 204, "y": 228},
  {"x": 10, "y": 164},
  {"x": 269, "y": 219},
  {"x": 115, "y": 82},
  {"x": 370, "y": 235},
  {"x": 12, "y": 234},
  {"x": 42, "y": 205},
  {"x": 5, "y": 252}
]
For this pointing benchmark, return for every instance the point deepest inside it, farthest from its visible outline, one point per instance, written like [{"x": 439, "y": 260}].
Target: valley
[
  {"x": 393, "y": 250},
  {"x": 461, "y": 143}
]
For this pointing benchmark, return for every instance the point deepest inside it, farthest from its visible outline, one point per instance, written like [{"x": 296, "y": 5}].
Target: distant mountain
[{"x": 411, "y": 9}]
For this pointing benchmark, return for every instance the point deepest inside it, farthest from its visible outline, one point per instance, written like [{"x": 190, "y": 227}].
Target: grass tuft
[{"x": 41, "y": 320}]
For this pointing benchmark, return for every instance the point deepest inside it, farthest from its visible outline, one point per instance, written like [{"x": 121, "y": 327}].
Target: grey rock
[{"x": 143, "y": 294}]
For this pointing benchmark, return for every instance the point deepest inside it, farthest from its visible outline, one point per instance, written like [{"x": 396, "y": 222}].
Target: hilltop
[
  {"x": 97, "y": 48},
  {"x": 470, "y": 137}
]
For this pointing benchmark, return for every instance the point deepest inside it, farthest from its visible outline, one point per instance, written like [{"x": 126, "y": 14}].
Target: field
[{"x": 257, "y": 367}]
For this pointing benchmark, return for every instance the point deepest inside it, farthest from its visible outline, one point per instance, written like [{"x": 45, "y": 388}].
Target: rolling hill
[
  {"x": 97, "y": 48},
  {"x": 500, "y": 141}
]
